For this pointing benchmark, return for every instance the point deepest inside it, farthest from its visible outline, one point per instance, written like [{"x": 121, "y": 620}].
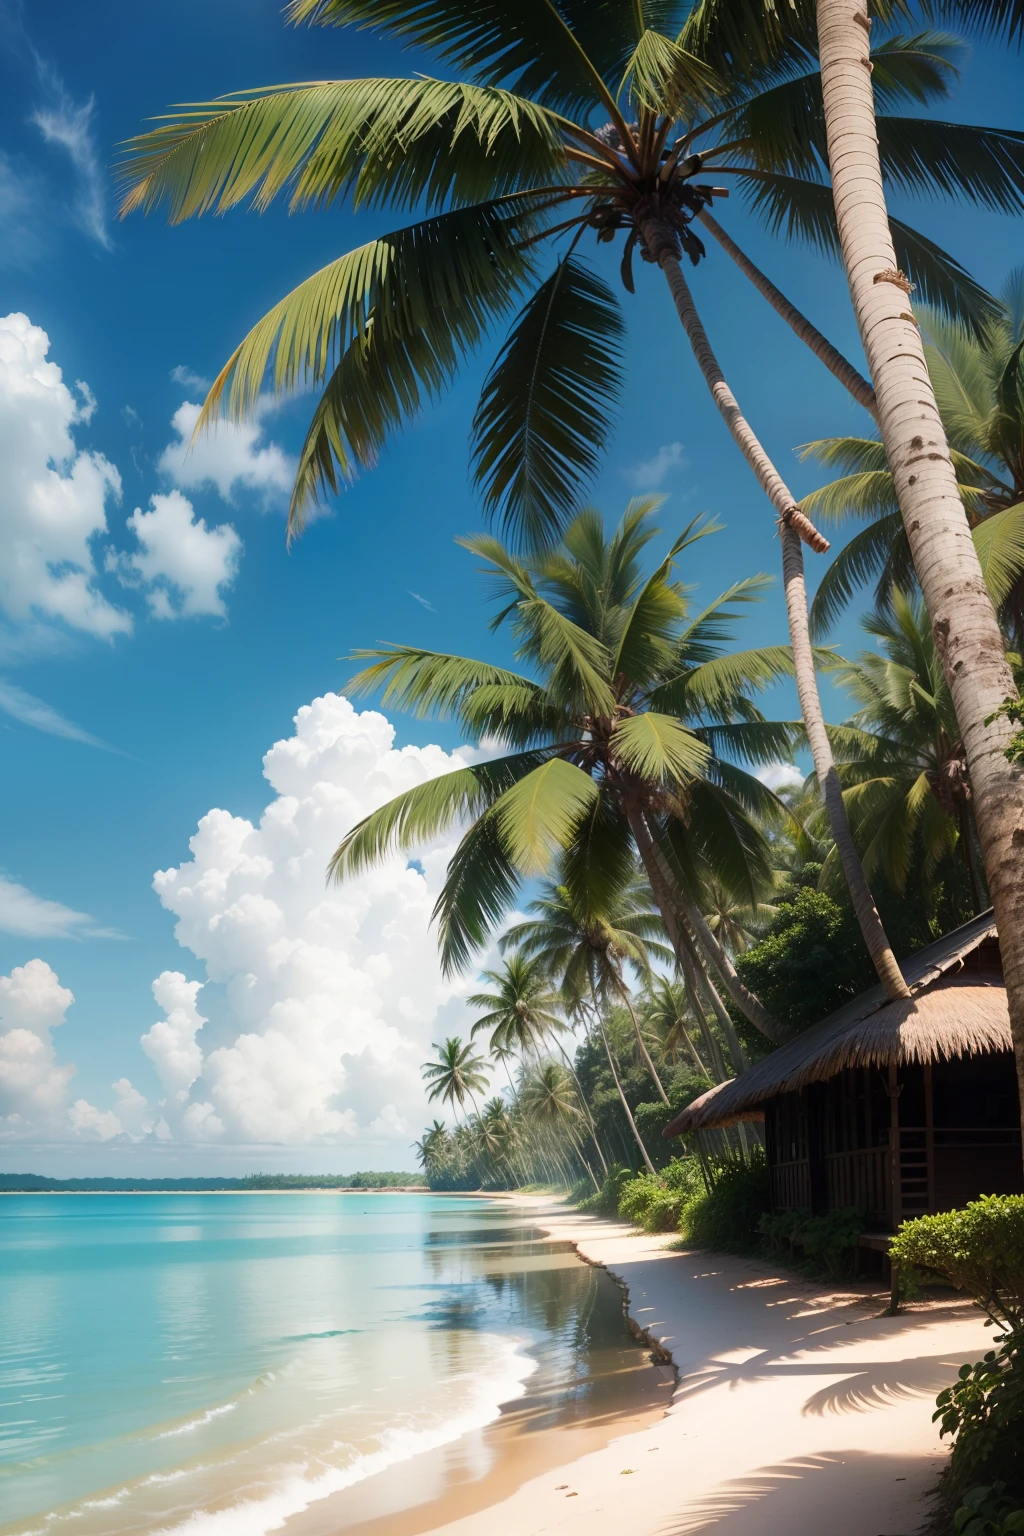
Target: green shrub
[
  {"x": 979, "y": 1249},
  {"x": 605, "y": 1201},
  {"x": 988, "y": 1512},
  {"x": 827, "y": 1243},
  {"x": 726, "y": 1217},
  {"x": 656, "y": 1203}
]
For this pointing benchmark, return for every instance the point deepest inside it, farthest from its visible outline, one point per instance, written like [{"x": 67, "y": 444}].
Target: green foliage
[
  {"x": 987, "y": 1511},
  {"x": 811, "y": 960},
  {"x": 605, "y": 1201},
  {"x": 979, "y": 1249},
  {"x": 657, "y": 1203},
  {"x": 725, "y": 1218},
  {"x": 1012, "y": 710},
  {"x": 828, "y": 1242}
]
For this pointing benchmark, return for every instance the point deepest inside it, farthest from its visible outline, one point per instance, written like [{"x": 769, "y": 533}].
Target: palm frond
[
  {"x": 868, "y": 554},
  {"x": 546, "y": 407},
  {"x": 526, "y": 42},
  {"x": 999, "y": 541},
  {"x": 418, "y": 143},
  {"x": 429, "y": 684},
  {"x": 665, "y": 79},
  {"x": 539, "y": 814},
  {"x": 478, "y": 891},
  {"x": 658, "y": 747},
  {"x": 423, "y": 812}
]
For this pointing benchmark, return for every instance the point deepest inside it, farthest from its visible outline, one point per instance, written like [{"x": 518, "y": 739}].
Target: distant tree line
[{"x": 27, "y": 1183}]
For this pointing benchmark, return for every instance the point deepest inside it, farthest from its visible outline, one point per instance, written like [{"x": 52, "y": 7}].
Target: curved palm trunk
[
  {"x": 711, "y": 1045},
  {"x": 622, "y": 1097},
  {"x": 798, "y": 323},
  {"x": 737, "y": 1055},
  {"x": 672, "y": 901},
  {"x": 794, "y": 527},
  {"x": 963, "y": 619},
  {"x": 623, "y": 991},
  {"x": 586, "y": 1107}
]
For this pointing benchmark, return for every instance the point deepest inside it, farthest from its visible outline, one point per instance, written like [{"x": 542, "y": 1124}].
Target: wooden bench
[{"x": 878, "y": 1242}]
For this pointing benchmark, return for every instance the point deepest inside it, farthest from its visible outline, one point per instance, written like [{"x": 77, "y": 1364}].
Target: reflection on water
[{"x": 224, "y": 1362}]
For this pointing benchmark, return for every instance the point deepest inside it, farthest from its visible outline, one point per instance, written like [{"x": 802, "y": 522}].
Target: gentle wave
[
  {"x": 297, "y": 1491},
  {"x": 197, "y": 1423}
]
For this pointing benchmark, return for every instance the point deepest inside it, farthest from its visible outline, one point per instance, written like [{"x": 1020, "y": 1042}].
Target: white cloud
[
  {"x": 171, "y": 1043},
  {"x": 27, "y": 709},
  {"x": 423, "y": 602},
  {"x": 52, "y": 496},
  {"x": 651, "y": 474},
  {"x": 230, "y": 456},
  {"x": 32, "y": 917},
  {"x": 183, "y": 564},
  {"x": 188, "y": 378},
  {"x": 33, "y": 1085},
  {"x": 327, "y": 998},
  {"x": 70, "y": 128},
  {"x": 93, "y": 1124},
  {"x": 780, "y": 775}
]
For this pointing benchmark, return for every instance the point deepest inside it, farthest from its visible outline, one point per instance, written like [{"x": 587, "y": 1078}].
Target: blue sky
[{"x": 144, "y": 732}]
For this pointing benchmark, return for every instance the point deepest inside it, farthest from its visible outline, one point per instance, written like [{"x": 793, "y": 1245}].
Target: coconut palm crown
[
  {"x": 574, "y": 123},
  {"x": 634, "y": 709},
  {"x": 978, "y": 380}
]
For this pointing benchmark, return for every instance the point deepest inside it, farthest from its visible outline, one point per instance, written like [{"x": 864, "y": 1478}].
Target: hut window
[{"x": 978, "y": 1091}]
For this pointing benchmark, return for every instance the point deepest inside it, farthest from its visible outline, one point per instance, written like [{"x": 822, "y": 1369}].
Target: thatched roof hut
[{"x": 932, "y": 1073}]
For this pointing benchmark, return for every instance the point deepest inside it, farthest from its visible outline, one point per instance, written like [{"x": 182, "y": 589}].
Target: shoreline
[{"x": 791, "y": 1400}]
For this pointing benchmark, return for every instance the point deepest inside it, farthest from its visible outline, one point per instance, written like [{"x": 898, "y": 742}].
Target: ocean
[{"x": 217, "y": 1365}]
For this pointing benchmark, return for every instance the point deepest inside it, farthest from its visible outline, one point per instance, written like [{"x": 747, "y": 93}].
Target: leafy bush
[
  {"x": 979, "y": 1249},
  {"x": 605, "y": 1201},
  {"x": 726, "y": 1217},
  {"x": 988, "y": 1512},
  {"x": 827, "y": 1242},
  {"x": 656, "y": 1203}
]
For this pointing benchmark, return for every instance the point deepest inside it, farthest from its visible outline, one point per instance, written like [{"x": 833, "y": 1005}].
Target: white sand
[{"x": 797, "y": 1413}]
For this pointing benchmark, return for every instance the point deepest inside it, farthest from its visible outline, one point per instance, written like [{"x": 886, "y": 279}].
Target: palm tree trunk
[
  {"x": 586, "y": 1107},
  {"x": 622, "y": 1097},
  {"x": 672, "y": 901},
  {"x": 959, "y": 606},
  {"x": 711, "y": 1045},
  {"x": 822, "y": 348},
  {"x": 623, "y": 991},
  {"x": 792, "y": 522},
  {"x": 882, "y": 956},
  {"x": 737, "y": 1055}
]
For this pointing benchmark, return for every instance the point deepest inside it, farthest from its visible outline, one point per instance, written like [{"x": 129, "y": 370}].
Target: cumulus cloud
[
  {"x": 327, "y": 998},
  {"x": 184, "y": 566},
  {"x": 69, "y": 126},
  {"x": 34, "y": 1083},
  {"x": 32, "y": 917},
  {"x": 651, "y": 474},
  {"x": 171, "y": 1043},
  {"x": 780, "y": 776},
  {"x": 231, "y": 456},
  {"x": 53, "y": 496}
]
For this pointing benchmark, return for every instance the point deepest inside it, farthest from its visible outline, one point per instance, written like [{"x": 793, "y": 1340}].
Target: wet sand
[{"x": 798, "y": 1410}]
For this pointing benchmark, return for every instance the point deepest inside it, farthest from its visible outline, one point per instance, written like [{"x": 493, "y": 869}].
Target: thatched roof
[{"x": 947, "y": 1016}]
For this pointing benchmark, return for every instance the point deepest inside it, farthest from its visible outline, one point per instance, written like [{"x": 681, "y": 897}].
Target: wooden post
[
  {"x": 896, "y": 1176},
  {"x": 929, "y": 1135}
]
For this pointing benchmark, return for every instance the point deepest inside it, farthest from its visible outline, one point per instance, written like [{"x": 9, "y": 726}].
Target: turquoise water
[{"x": 217, "y": 1364}]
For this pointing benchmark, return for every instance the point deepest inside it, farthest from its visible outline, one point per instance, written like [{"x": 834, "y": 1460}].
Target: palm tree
[
  {"x": 620, "y": 742},
  {"x": 959, "y": 607},
  {"x": 684, "y": 90},
  {"x": 548, "y": 1098},
  {"x": 521, "y": 1010},
  {"x": 978, "y": 379},
  {"x": 902, "y": 760},
  {"x": 665, "y": 1009},
  {"x": 455, "y": 1075},
  {"x": 590, "y": 954},
  {"x": 736, "y": 923}
]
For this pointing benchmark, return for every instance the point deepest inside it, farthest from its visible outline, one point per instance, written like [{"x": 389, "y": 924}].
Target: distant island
[{"x": 34, "y": 1183}]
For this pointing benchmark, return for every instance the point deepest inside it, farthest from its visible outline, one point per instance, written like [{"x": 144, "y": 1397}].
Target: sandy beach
[{"x": 797, "y": 1410}]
